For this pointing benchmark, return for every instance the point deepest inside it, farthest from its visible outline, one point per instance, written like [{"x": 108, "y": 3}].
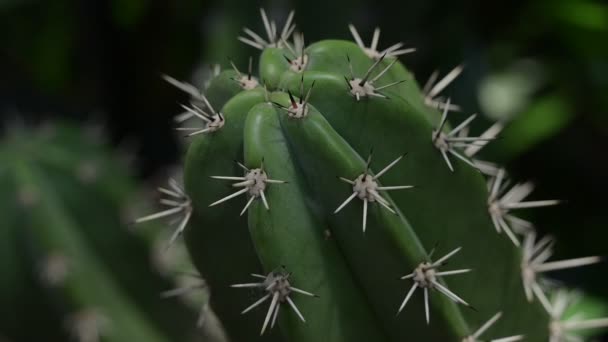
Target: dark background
[{"x": 541, "y": 64}]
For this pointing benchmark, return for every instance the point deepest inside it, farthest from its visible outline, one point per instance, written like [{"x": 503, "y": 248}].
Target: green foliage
[{"x": 68, "y": 264}]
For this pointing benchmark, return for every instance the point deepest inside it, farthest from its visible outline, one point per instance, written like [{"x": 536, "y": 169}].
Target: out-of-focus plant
[{"x": 68, "y": 263}]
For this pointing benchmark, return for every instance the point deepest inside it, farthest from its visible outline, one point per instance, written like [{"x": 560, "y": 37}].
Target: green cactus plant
[
  {"x": 70, "y": 268},
  {"x": 338, "y": 243}
]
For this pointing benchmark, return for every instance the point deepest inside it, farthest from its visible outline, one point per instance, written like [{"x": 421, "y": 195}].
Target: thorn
[
  {"x": 369, "y": 71},
  {"x": 278, "y": 105},
  {"x": 250, "y": 68},
  {"x": 294, "y": 104},
  {"x": 348, "y": 83}
]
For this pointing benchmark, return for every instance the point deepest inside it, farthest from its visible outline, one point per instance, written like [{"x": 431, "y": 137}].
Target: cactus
[
  {"x": 70, "y": 269},
  {"x": 351, "y": 193}
]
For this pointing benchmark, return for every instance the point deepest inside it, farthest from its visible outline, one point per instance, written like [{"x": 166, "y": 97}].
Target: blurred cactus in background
[{"x": 70, "y": 268}]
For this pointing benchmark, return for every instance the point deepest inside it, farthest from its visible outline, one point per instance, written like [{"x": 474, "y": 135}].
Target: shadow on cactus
[
  {"x": 295, "y": 223},
  {"x": 70, "y": 269}
]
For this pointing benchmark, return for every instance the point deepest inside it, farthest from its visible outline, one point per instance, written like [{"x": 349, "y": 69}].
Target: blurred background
[{"x": 540, "y": 65}]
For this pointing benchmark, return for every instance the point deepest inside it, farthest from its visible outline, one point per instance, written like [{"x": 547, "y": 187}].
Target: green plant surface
[
  {"x": 283, "y": 161},
  {"x": 313, "y": 152},
  {"x": 70, "y": 263}
]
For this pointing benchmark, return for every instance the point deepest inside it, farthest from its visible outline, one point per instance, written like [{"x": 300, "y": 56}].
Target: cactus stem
[
  {"x": 254, "y": 40},
  {"x": 254, "y": 183},
  {"x": 432, "y": 90},
  {"x": 533, "y": 263},
  {"x": 247, "y": 82},
  {"x": 278, "y": 287},
  {"x": 474, "y": 337},
  {"x": 372, "y": 51},
  {"x": 425, "y": 277},
  {"x": 365, "y": 187}
]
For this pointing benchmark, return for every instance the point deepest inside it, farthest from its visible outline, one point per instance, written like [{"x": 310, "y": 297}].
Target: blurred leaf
[
  {"x": 540, "y": 121},
  {"x": 503, "y": 95}
]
